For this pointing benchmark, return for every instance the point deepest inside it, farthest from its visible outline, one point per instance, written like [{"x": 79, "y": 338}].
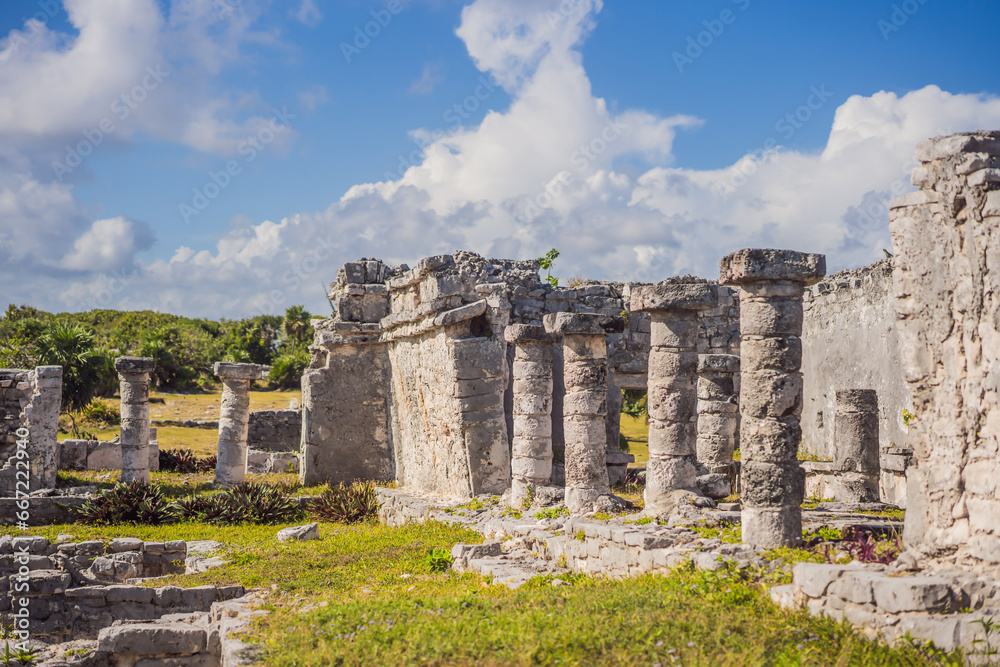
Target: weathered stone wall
[
  {"x": 274, "y": 430},
  {"x": 29, "y": 402},
  {"x": 849, "y": 341},
  {"x": 389, "y": 373},
  {"x": 100, "y": 455},
  {"x": 946, "y": 278},
  {"x": 345, "y": 411}
]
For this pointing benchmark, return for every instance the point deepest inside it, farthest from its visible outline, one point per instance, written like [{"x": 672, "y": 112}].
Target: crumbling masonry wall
[
  {"x": 29, "y": 403},
  {"x": 946, "y": 279},
  {"x": 849, "y": 341}
]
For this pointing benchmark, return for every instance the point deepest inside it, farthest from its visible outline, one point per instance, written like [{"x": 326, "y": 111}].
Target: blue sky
[{"x": 710, "y": 126}]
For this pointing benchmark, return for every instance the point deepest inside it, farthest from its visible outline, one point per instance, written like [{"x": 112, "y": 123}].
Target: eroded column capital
[
  {"x": 752, "y": 265},
  {"x": 234, "y": 371}
]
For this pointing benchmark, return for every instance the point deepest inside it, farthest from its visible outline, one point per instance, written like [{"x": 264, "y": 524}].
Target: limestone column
[
  {"x": 671, "y": 396},
  {"x": 772, "y": 481},
  {"x": 718, "y": 412},
  {"x": 585, "y": 373},
  {"x": 855, "y": 437},
  {"x": 531, "y": 449},
  {"x": 134, "y": 375},
  {"x": 230, "y": 468}
]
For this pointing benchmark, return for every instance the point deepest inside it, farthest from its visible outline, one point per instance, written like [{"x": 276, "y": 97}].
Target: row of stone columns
[
  {"x": 133, "y": 373},
  {"x": 682, "y": 429}
]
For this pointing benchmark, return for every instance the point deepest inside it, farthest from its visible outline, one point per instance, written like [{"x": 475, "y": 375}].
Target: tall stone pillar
[
  {"x": 671, "y": 395},
  {"x": 531, "y": 449},
  {"x": 718, "y": 412},
  {"x": 585, "y": 373},
  {"x": 771, "y": 284},
  {"x": 134, "y": 375},
  {"x": 230, "y": 468},
  {"x": 855, "y": 437}
]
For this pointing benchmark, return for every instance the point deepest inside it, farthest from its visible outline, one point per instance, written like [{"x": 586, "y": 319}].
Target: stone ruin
[{"x": 465, "y": 376}]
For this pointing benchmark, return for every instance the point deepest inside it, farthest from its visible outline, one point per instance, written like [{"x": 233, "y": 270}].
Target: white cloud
[
  {"x": 429, "y": 78},
  {"x": 309, "y": 14},
  {"x": 546, "y": 172}
]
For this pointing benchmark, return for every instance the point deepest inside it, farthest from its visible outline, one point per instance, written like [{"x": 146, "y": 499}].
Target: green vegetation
[
  {"x": 726, "y": 533},
  {"x": 86, "y": 344},
  {"x": 346, "y": 503},
  {"x": 552, "y": 513},
  {"x": 545, "y": 263},
  {"x": 366, "y": 594}
]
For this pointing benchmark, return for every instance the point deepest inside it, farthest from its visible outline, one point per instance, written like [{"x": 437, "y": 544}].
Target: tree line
[{"x": 86, "y": 344}]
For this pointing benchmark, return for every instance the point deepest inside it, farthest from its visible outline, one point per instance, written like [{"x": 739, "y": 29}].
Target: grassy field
[
  {"x": 199, "y": 407},
  {"x": 636, "y": 431},
  {"x": 366, "y": 595}
]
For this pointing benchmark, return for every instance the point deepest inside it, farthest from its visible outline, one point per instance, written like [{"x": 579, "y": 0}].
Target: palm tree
[
  {"x": 297, "y": 324},
  {"x": 72, "y": 346}
]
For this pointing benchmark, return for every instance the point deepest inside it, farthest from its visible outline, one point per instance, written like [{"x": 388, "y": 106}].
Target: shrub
[
  {"x": 346, "y": 504},
  {"x": 248, "y": 502},
  {"x": 135, "y": 502},
  {"x": 178, "y": 460},
  {"x": 438, "y": 560},
  {"x": 287, "y": 369},
  {"x": 184, "y": 461}
]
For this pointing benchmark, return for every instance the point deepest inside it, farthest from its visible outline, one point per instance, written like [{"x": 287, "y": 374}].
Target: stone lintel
[
  {"x": 673, "y": 296},
  {"x": 583, "y": 323},
  {"x": 460, "y": 314},
  {"x": 228, "y": 369},
  {"x": 134, "y": 364},
  {"x": 718, "y": 363},
  {"x": 528, "y": 333},
  {"x": 765, "y": 264}
]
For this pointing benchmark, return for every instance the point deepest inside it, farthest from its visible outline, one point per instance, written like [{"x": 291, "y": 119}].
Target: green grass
[
  {"x": 636, "y": 431},
  {"x": 375, "y": 577},
  {"x": 198, "y": 406}
]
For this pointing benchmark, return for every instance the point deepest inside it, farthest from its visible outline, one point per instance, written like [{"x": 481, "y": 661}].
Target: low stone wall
[
  {"x": 259, "y": 463},
  {"x": 99, "y": 455},
  {"x": 45, "y": 510},
  {"x": 947, "y": 607},
  {"x": 275, "y": 430},
  {"x": 612, "y": 548}
]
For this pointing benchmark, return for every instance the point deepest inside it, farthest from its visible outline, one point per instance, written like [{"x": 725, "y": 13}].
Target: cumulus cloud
[{"x": 548, "y": 172}]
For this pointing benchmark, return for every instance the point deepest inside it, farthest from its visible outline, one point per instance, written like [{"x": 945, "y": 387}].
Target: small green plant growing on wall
[
  {"x": 907, "y": 417},
  {"x": 546, "y": 263}
]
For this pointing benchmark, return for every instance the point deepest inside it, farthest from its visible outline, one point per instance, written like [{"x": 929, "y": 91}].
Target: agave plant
[
  {"x": 135, "y": 502},
  {"x": 346, "y": 504},
  {"x": 244, "y": 503}
]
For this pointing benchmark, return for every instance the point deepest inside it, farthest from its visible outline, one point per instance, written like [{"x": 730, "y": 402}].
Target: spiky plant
[
  {"x": 135, "y": 502},
  {"x": 346, "y": 504}
]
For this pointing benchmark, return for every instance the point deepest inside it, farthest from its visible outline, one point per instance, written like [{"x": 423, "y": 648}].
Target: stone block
[
  {"x": 306, "y": 532},
  {"x": 226, "y": 369},
  {"x": 718, "y": 363},
  {"x": 922, "y": 593},
  {"x": 772, "y": 484},
  {"x": 756, "y": 264},
  {"x": 673, "y": 296},
  {"x": 528, "y": 333},
  {"x": 120, "y": 544},
  {"x": 583, "y": 323},
  {"x": 152, "y": 639},
  {"x": 126, "y": 365},
  {"x": 115, "y": 594}
]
